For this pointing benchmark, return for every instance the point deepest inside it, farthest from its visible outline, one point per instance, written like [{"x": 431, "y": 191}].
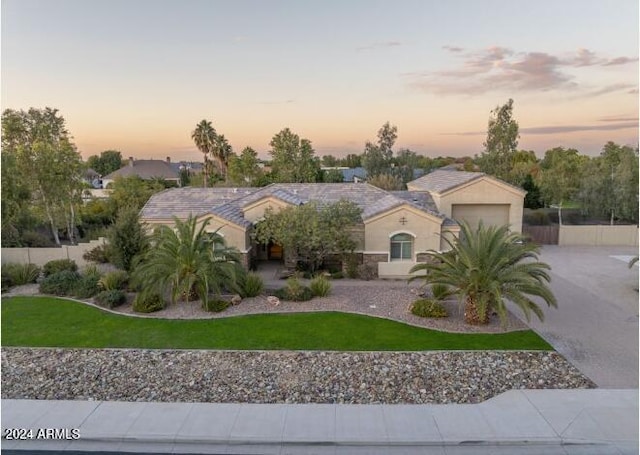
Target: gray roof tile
[
  {"x": 146, "y": 169},
  {"x": 228, "y": 203},
  {"x": 440, "y": 181}
]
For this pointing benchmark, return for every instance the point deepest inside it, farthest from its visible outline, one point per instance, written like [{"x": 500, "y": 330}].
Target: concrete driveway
[{"x": 596, "y": 323}]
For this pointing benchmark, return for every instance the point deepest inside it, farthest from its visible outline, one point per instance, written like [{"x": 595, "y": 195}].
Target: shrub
[
  {"x": 337, "y": 275},
  {"x": 215, "y": 305},
  {"x": 7, "y": 282},
  {"x": 118, "y": 279},
  {"x": 440, "y": 291},
  {"x": 111, "y": 298},
  {"x": 537, "y": 218},
  {"x": 86, "y": 286},
  {"x": 367, "y": 272},
  {"x": 35, "y": 240},
  {"x": 59, "y": 265},
  {"x": 21, "y": 273},
  {"x": 320, "y": 286},
  {"x": 60, "y": 283},
  {"x": 91, "y": 270},
  {"x": 294, "y": 291},
  {"x": 148, "y": 303},
  {"x": 98, "y": 254},
  {"x": 351, "y": 267},
  {"x": 253, "y": 285},
  {"x": 428, "y": 308}
]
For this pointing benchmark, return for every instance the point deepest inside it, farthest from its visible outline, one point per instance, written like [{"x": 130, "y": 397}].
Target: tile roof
[
  {"x": 182, "y": 202},
  {"x": 146, "y": 169},
  {"x": 440, "y": 181},
  {"x": 227, "y": 203}
]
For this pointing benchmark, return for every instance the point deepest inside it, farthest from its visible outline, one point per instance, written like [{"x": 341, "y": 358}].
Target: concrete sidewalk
[{"x": 516, "y": 422}]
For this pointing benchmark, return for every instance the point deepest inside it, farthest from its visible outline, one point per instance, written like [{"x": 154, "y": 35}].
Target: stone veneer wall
[
  {"x": 374, "y": 259},
  {"x": 422, "y": 257}
]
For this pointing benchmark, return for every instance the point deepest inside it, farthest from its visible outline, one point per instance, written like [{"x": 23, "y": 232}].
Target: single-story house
[
  {"x": 146, "y": 170},
  {"x": 397, "y": 227}
]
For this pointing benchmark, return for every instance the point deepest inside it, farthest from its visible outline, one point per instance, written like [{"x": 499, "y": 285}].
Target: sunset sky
[{"x": 138, "y": 75}]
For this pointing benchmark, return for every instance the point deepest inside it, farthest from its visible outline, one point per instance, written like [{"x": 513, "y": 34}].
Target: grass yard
[{"x": 53, "y": 322}]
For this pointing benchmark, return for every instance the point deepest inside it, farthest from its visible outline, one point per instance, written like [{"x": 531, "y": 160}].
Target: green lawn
[{"x": 53, "y": 322}]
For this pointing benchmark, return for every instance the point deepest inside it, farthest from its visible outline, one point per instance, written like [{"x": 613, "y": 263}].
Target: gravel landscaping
[{"x": 279, "y": 376}]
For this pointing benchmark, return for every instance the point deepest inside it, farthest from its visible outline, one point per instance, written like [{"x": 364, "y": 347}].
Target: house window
[{"x": 401, "y": 247}]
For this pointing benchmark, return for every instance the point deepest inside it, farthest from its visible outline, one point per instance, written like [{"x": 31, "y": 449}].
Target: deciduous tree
[
  {"x": 47, "y": 160},
  {"x": 244, "y": 169},
  {"x": 311, "y": 232},
  {"x": 377, "y": 157},
  {"x": 501, "y": 142},
  {"x": 293, "y": 159}
]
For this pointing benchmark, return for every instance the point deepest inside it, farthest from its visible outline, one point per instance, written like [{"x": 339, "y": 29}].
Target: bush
[
  {"x": 367, "y": 272},
  {"x": 60, "y": 283},
  {"x": 111, "y": 298},
  {"x": 537, "y": 218},
  {"x": 428, "y": 308},
  {"x": 253, "y": 285},
  {"x": 215, "y": 305},
  {"x": 148, "y": 303},
  {"x": 294, "y": 291},
  {"x": 87, "y": 286},
  {"x": 337, "y": 275},
  {"x": 352, "y": 267},
  {"x": 118, "y": 279},
  {"x": 59, "y": 265},
  {"x": 7, "y": 282},
  {"x": 99, "y": 254},
  {"x": 320, "y": 286},
  {"x": 440, "y": 291},
  {"x": 35, "y": 240},
  {"x": 21, "y": 273}
]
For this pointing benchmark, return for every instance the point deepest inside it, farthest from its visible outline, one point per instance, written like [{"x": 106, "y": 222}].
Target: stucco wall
[
  {"x": 233, "y": 235},
  {"x": 598, "y": 235},
  {"x": 423, "y": 228},
  {"x": 485, "y": 191},
  {"x": 256, "y": 211},
  {"x": 40, "y": 256}
]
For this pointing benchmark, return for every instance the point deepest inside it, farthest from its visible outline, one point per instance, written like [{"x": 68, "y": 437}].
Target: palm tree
[
  {"x": 487, "y": 266},
  {"x": 222, "y": 152},
  {"x": 204, "y": 137},
  {"x": 188, "y": 262}
]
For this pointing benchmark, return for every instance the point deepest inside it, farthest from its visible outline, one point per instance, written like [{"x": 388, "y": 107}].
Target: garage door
[{"x": 490, "y": 214}]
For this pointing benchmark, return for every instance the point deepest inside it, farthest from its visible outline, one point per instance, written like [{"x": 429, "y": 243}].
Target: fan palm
[
  {"x": 187, "y": 261},
  {"x": 487, "y": 266},
  {"x": 205, "y": 138}
]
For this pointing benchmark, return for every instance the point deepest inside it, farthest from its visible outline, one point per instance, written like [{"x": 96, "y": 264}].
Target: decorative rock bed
[{"x": 279, "y": 376}]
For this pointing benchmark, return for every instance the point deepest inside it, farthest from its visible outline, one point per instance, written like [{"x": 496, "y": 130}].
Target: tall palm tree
[
  {"x": 204, "y": 137},
  {"x": 222, "y": 152},
  {"x": 486, "y": 266},
  {"x": 187, "y": 261}
]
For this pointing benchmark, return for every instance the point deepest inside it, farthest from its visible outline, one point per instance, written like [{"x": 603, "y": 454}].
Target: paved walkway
[{"x": 516, "y": 422}]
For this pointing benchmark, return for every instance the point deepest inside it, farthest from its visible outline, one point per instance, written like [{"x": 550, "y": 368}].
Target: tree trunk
[
  {"x": 472, "y": 313},
  {"x": 72, "y": 225}
]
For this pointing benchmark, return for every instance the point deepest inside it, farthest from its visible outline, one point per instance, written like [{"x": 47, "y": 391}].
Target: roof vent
[
  {"x": 235, "y": 190},
  {"x": 295, "y": 191}
]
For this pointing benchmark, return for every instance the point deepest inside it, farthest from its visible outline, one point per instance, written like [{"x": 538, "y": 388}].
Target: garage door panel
[{"x": 490, "y": 214}]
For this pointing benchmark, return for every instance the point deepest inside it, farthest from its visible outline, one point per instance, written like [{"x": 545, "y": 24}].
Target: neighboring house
[
  {"x": 146, "y": 170},
  {"x": 191, "y": 167},
  {"x": 473, "y": 196},
  {"x": 397, "y": 227}
]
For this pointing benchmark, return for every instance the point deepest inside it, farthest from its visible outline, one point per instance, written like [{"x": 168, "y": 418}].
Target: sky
[{"x": 138, "y": 75}]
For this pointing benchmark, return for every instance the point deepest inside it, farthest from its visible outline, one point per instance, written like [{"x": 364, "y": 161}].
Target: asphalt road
[{"x": 596, "y": 323}]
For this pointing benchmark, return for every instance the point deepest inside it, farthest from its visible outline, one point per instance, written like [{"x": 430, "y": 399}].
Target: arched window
[{"x": 402, "y": 247}]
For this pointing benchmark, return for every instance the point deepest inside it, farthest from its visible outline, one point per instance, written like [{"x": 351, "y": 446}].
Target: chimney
[
  {"x": 168, "y": 159},
  {"x": 131, "y": 161}
]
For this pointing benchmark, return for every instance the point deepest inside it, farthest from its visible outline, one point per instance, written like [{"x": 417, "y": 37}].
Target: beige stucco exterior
[
  {"x": 234, "y": 235},
  {"x": 485, "y": 190},
  {"x": 255, "y": 212},
  {"x": 424, "y": 228}
]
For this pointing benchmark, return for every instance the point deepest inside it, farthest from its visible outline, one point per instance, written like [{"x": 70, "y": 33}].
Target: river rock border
[{"x": 435, "y": 377}]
